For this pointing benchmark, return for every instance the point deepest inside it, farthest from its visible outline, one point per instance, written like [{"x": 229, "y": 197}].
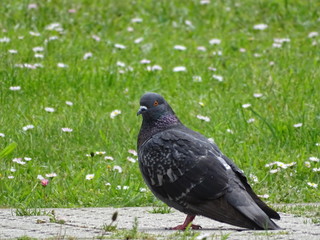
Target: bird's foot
[
  {"x": 187, "y": 223},
  {"x": 184, "y": 227}
]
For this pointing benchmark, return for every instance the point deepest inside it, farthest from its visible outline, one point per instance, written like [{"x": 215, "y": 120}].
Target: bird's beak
[{"x": 141, "y": 110}]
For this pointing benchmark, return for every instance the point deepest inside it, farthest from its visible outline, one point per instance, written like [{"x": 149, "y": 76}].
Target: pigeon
[{"x": 188, "y": 172}]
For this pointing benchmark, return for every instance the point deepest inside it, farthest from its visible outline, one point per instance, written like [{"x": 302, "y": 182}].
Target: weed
[{"x": 162, "y": 209}]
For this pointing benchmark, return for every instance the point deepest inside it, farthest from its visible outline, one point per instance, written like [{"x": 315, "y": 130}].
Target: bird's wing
[
  {"x": 269, "y": 211},
  {"x": 176, "y": 163}
]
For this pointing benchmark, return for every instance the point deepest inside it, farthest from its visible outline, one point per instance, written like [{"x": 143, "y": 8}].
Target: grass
[
  {"x": 97, "y": 86},
  {"x": 312, "y": 212}
]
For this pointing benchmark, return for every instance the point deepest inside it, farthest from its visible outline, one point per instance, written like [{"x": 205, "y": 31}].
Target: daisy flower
[
  {"x": 133, "y": 152},
  {"x": 215, "y": 41},
  {"x": 87, "y": 55},
  {"x": 89, "y": 176},
  {"x": 119, "y": 46},
  {"x": 62, "y": 65},
  {"x": 154, "y": 68},
  {"x": 66, "y": 129},
  {"x": 97, "y": 38},
  {"x": 138, "y": 40},
  {"x": 201, "y": 48},
  {"x": 260, "y": 26},
  {"x": 247, "y": 105},
  {"x": 179, "y": 47},
  {"x": 115, "y": 113},
  {"x": 108, "y": 158},
  {"x": 257, "y": 95},
  {"x": 117, "y": 168},
  {"x": 49, "y": 109},
  {"x": 314, "y": 185},
  {"x": 12, "y": 51},
  {"x": 204, "y": 118},
  {"x": 218, "y": 77},
  {"x": 136, "y": 20},
  {"x": 197, "y": 78},
  {"x": 5, "y": 39},
  {"x": 15, "y": 88},
  {"x": 38, "y": 49},
  {"x": 131, "y": 159},
  {"x": 180, "y": 69},
  {"x": 313, "y": 34},
  {"x": 314, "y": 159},
  {"x": 145, "y": 61},
  {"x": 51, "y": 175},
  {"x": 25, "y": 128},
  {"x": 297, "y": 125}
]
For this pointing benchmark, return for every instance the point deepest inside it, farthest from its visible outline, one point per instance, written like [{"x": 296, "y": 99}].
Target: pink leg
[{"x": 186, "y": 223}]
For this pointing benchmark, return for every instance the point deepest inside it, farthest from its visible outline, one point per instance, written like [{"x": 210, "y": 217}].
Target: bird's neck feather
[{"x": 149, "y": 128}]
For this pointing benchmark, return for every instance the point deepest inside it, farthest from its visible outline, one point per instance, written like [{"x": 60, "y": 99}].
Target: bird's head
[{"x": 153, "y": 106}]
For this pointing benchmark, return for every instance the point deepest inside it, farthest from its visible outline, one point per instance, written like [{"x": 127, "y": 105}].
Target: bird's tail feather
[
  {"x": 246, "y": 216},
  {"x": 243, "y": 202},
  {"x": 220, "y": 210}
]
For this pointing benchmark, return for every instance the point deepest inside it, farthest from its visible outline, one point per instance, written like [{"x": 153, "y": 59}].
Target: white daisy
[
  {"x": 89, "y": 176},
  {"x": 218, "y": 77},
  {"x": 136, "y": 20},
  {"x": 25, "y": 128},
  {"x": 247, "y": 105},
  {"x": 145, "y": 61},
  {"x": 62, "y": 65},
  {"x": 260, "y": 26},
  {"x": 66, "y": 129},
  {"x": 201, "y": 48},
  {"x": 179, "y": 47},
  {"x": 120, "y": 46},
  {"x": 115, "y": 113},
  {"x": 138, "y": 40},
  {"x": 204, "y": 118},
  {"x": 15, "y": 88},
  {"x": 49, "y": 109},
  {"x": 180, "y": 69},
  {"x": 12, "y": 51},
  {"x": 131, "y": 159},
  {"x": 257, "y": 95},
  {"x": 197, "y": 78},
  {"x": 314, "y": 185},
  {"x": 297, "y": 125},
  {"x": 38, "y": 49},
  {"x": 117, "y": 168},
  {"x": 215, "y": 41},
  {"x": 87, "y": 55},
  {"x": 314, "y": 159},
  {"x": 313, "y": 34}
]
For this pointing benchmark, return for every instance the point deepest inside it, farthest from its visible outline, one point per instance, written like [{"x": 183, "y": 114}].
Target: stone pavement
[{"x": 87, "y": 223}]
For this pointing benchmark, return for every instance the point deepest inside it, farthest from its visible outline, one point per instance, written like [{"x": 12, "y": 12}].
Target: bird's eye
[{"x": 156, "y": 103}]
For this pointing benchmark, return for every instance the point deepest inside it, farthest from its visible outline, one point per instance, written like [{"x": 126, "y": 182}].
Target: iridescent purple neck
[
  {"x": 166, "y": 121},
  {"x": 149, "y": 129}
]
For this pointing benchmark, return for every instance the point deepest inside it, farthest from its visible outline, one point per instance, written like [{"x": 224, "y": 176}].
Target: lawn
[{"x": 72, "y": 73}]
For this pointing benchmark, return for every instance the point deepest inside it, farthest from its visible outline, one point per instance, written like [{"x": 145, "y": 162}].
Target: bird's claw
[{"x": 184, "y": 227}]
